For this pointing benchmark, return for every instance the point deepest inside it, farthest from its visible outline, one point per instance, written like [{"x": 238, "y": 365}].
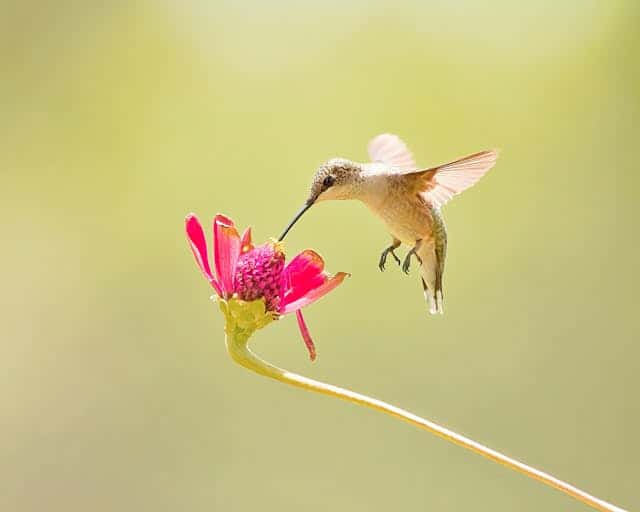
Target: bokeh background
[{"x": 118, "y": 118}]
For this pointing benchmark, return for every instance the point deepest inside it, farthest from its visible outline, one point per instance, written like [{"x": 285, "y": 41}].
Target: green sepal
[{"x": 244, "y": 318}]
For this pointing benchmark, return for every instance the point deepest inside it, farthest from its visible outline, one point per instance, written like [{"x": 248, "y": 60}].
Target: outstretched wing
[
  {"x": 390, "y": 150},
  {"x": 439, "y": 184}
]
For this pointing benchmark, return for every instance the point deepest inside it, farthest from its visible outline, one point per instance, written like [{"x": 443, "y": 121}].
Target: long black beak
[{"x": 306, "y": 206}]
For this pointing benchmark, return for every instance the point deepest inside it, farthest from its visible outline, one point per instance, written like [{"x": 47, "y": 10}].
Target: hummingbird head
[
  {"x": 334, "y": 179},
  {"x": 337, "y": 178}
]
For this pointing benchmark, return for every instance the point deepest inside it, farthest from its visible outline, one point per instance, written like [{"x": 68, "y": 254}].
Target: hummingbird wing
[
  {"x": 439, "y": 184},
  {"x": 390, "y": 150}
]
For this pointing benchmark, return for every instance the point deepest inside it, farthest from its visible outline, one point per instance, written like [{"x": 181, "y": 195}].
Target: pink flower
[{"x": 247, "y": 273}]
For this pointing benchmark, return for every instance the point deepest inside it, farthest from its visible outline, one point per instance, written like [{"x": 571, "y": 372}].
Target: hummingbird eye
[{"x": 328, "y": 181}]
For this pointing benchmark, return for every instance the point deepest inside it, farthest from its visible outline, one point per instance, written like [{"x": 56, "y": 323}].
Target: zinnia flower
[{"x": 253, "y": 284}]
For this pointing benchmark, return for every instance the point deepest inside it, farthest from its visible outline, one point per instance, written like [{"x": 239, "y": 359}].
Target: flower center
[{"x": 260, "y": 273}]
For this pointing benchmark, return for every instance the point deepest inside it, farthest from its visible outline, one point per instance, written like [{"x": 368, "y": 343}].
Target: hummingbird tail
[
  {"x": 434, "y": 298},
  {"x": 431, "y": 272}
]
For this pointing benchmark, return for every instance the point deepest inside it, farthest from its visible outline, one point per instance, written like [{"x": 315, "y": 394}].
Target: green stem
[{"x": 238, "y": 348}]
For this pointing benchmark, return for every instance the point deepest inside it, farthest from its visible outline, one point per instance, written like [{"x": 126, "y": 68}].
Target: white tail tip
[
  {"x": 440, "y": 302},
  {"x": 435, "y": 301}
]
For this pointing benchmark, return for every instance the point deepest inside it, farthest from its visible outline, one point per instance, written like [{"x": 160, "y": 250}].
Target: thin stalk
[{"x": 240, "y": 352}]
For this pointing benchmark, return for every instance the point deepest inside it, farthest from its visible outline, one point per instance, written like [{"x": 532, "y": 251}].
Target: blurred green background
[{"x": 116, "y": 120}]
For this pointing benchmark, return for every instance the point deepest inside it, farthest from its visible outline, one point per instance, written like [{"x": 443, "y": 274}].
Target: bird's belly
[{"x": 407, "y": 222}]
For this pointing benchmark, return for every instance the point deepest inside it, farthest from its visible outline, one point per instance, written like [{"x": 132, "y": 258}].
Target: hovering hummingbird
[{"x": 407, "y": 198}]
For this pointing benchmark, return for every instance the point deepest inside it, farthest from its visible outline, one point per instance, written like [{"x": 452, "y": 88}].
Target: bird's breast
[{"x": 407, "y": 216}]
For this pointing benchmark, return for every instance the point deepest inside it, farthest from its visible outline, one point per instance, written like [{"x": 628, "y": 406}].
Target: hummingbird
[{"x": 407, "y": 198}]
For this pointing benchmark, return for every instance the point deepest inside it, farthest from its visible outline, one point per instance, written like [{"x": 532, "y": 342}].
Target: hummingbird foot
[
  {"x": 406, "y": 264},
  {"x": 385, "y": 253}
]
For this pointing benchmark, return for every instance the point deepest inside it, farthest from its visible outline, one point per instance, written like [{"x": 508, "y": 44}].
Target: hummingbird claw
[
  {"x": 406, "y": 264},
  {"x": 383, "y": 257}
]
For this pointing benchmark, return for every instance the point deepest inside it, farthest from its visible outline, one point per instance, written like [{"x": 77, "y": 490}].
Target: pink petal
[
  {"x": 315, "y": 294},
  {"x": 198, "y": 245},
  {"x": 226, "y": 242},
  {"x": 306, "y": 336},
  {"x": 246, "y": 244},
  {"x": 302, "y": 274}
]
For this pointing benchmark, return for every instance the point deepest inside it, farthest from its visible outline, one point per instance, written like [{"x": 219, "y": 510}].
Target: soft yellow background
[{"x": 116, "y": 120}]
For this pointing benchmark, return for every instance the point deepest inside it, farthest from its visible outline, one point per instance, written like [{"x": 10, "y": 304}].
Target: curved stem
[{"x": 240, "y": 352}]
